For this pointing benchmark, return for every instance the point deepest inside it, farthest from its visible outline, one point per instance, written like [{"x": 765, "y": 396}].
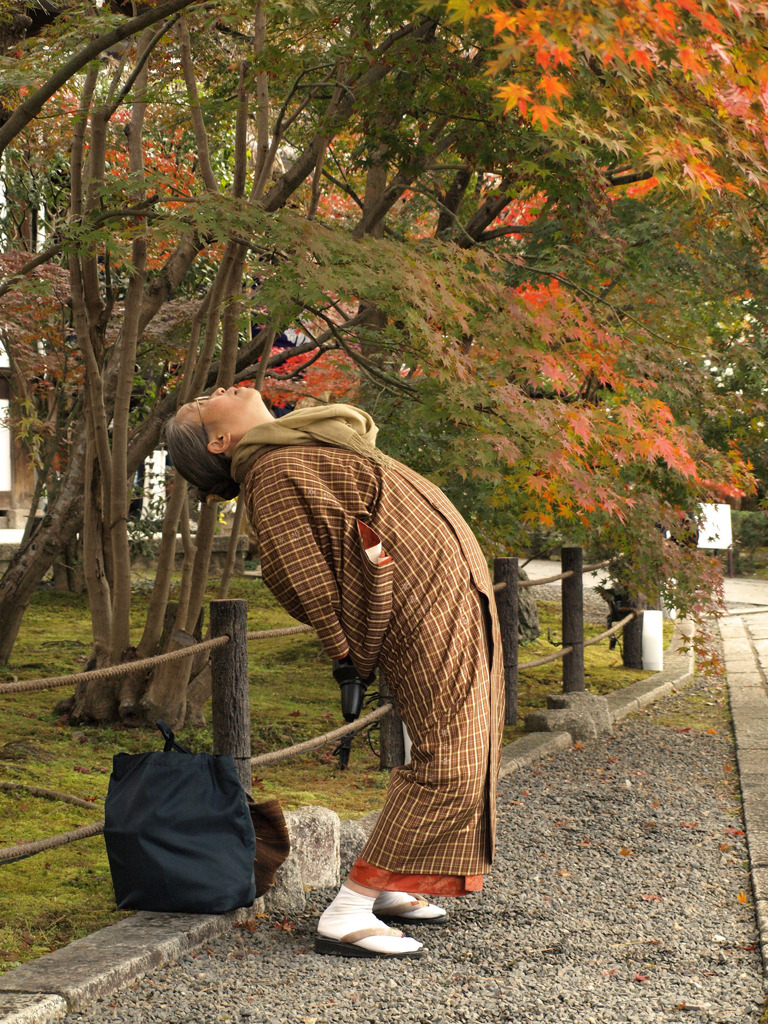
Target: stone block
[
  {"x": 314, "y": 835},
  {"x": 577, "y": 724},
  {"x": 588, "y": 703},
  {"x": 584, "y": 715},
  {"x": 353, "y": 836},
  {"x": 286, "y": 896}
]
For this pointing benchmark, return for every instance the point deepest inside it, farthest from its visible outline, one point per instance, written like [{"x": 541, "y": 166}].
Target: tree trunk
[
  {"x": 32, "y": 560},
  {"x": 632, "y": 637}
]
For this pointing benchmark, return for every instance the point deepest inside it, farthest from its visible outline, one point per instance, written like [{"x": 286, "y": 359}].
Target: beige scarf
[{"x": 342, "y": 426}]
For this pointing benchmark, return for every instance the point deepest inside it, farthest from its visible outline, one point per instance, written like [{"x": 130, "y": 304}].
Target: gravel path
[{"x": 620, "y": 895}]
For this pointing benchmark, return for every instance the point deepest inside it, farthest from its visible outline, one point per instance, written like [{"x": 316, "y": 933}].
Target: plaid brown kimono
[{"x": 426, "y": 616}]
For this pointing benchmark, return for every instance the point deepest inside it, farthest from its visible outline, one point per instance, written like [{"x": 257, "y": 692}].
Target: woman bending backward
[{"x": 377, "y": 560}]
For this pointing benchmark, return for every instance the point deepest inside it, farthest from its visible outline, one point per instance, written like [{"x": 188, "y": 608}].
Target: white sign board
[{"x": 715, "y": 529}]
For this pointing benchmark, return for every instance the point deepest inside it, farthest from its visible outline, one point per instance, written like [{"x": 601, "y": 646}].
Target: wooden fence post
[
  {"x": 572, "y": 595},
  {"x": 231, "y": 699},
  {"x": 391, "y": 739},
  {"x": 507, "y": 604}
]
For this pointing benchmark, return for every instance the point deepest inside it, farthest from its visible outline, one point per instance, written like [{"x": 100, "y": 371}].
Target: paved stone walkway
[{"x": 745, "y": 651}]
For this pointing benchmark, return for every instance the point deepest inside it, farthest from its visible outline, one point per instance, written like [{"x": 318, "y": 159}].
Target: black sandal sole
[{"x": 334, "y": 947}]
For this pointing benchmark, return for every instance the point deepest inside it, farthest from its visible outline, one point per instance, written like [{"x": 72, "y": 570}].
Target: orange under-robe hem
[{"x": 428, "y": 885}]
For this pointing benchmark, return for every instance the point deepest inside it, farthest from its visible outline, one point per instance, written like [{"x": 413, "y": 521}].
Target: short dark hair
[{"x": 208, "y": 472}]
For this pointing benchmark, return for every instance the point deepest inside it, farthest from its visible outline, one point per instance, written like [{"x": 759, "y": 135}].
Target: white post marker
[{"x": 653, "y": 641}]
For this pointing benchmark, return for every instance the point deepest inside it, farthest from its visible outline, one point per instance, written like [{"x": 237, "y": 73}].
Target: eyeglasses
[{"x": 202, "y": 398}]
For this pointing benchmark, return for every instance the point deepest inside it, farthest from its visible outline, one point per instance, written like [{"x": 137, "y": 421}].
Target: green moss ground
[{"x": 49, "y": 899}]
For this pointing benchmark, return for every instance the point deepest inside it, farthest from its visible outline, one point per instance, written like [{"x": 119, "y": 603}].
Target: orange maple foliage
[{"x": 671, "y": 57}]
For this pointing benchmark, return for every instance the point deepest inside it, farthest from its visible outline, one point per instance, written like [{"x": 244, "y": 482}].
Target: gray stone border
[{"x": 67, "y": 980}]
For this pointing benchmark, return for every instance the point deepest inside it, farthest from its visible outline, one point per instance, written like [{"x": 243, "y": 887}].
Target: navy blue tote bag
[{"x": 178, "y": 832}]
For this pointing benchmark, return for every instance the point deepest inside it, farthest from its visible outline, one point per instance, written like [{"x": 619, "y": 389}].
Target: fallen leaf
[
  {"x": 742, "y": 897},
  {"x": 625, "y": 852},
  {"x": 250, "y": 926},
  {"x": 642, "y": 977},
  {"x": 689, "y": 824},
  {"x": 285, "y": 925},
  {"x": 648, "y": 898}
]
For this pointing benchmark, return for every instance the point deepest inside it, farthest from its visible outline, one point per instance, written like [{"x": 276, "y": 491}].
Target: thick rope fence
[
  {"x": 9, "y": 854},
  {"x": 225, "y": 639},
  {"x": 127, "y": 668}
]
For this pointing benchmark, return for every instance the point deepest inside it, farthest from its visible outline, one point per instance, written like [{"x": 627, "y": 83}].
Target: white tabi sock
[
  {"x": 352, "y": 912},
  {"x": 392, "y": 903}
]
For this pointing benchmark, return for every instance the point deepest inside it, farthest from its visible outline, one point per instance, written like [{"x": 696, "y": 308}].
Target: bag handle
[{"x": 170, "y": 740}]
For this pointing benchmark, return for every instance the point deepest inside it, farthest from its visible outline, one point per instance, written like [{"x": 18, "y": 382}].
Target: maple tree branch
[
  {"x": 262, "y": 95},
  {"x": 510, "y": 229},
  {"x": 487, "y": 213},
  {"x": 344, "y": 187},
  {"x": 141, "y": 62},
  {"x": 299, "y": 369},
  {"x": 47, "y": 254},
  {"x": 618, "y": 311},
  {"x": 266, "y": 158},
  {"x": 617, "y": 179},
  {"x": 366, "y": 364},
  {"x": 445, "y": 209},
  {"x": 338, "y": 113},
  {"x": 195, "y": 112},
  {"x": 31, "y": 106},
  {"x": 452, "y": 198},
  {"x": 401, "y": 183},
  {"x": 29, "y": 266}
]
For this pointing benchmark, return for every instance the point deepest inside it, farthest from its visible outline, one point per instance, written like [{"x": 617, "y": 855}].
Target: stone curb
[{"x": 45, "y": 990}]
